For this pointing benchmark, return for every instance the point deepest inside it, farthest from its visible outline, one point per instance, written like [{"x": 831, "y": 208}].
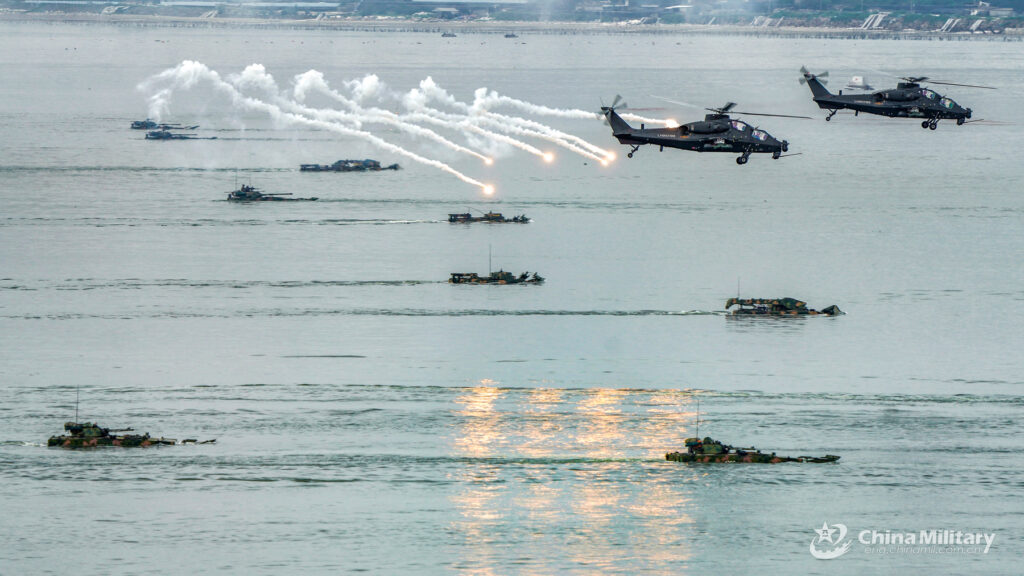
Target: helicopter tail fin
[
  {"x": 619, "y": 126},
  {"x": 817, "y": 88},
  {"x": 816, "y": 82}
]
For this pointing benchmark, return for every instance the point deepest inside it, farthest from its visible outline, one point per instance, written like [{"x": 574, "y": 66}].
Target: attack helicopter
[
  {"x": 908, "y": 100},
  {"x": 718, "y": 132}
]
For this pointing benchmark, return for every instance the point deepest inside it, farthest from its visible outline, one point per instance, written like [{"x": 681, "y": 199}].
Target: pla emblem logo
[{"x": 827, "y": 545}]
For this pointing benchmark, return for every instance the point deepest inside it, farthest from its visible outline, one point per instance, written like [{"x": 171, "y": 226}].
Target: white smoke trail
[
  {"x": 540, "y": 130},
  {"x": 667, "y": 122},
  {"x": 313, "y": 81},
  {"x": 256, "y": 77},
  {"x": 429, "y": 91},
  {"x": 484, "y": 100},
  {"x": 416, "y": 101},
  {"x": 438, "y": 118},
  {"x": 499, "y": 122},
  {"x": 188, "y": 74}
]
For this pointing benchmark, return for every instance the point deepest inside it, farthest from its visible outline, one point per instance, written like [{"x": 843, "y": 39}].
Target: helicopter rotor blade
[
  {"x": 615, "y": 102},
  {"x": 965, "y": 85},
  {"x": 774, "y": 115},
  {"x": 679, "y": 102},
  {"x": 723, "y": 110}
]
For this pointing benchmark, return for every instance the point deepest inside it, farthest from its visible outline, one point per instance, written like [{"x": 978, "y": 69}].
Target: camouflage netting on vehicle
[{"x": 787, "y": 303}]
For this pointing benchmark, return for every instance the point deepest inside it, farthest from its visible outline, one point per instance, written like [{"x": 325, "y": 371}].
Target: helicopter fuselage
[
  {"x": 907, "y": 100},
  {"x": 716, "y": 133}
]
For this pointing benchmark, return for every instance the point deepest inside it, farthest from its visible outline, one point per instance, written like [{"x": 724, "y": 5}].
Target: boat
[
  {"x": 148, "y": 124},
  {"x": 777, "y": 307},
  {"x": 90, "y": 435},
  {"x": 511, "y": 35},
  {"x": 367, "y": 165},
  {"x": 497, "y": 217},
  {"x": 250, "y": 194},
  {"x": 499, "y": 277},
  {"x": 168, "y": 135},
  {"x": 709, "y": 450},
  {"x": 448, "y": 35}
]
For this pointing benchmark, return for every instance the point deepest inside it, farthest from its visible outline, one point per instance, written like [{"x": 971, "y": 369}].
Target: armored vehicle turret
[{"x": 250, "y": 194}]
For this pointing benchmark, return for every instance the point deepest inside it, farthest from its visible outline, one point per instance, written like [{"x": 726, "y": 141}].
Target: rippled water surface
[{"x": 371, "y": 417}]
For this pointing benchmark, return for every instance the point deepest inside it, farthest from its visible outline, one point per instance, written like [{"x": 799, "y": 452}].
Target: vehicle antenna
[
  {"x": 697, "y": 434},
  {"x": 737, "y": 287},
  {"x": 488, "y": 259},
  {"x": 77, "y": 387}
]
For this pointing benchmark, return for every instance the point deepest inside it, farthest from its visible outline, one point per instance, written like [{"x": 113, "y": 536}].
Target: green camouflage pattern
[
  {"x": 91, "y": 435},
  {"x": 777, "y": 307},
  {"x": 709, "y": 450},
  {"x": 496, "y": 217},
  {"x": 499, "y": 277}
]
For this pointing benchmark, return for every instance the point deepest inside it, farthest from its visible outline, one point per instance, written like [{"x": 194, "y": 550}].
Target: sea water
[{"x": 371, "y": 417}]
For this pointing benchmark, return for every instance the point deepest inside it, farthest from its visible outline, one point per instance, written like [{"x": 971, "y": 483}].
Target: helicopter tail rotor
[
  {"x": 617, "y": 102},
  {"x": 806, "y": 75}
]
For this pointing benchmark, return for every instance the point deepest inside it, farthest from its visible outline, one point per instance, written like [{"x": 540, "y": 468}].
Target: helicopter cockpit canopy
[
  {"x": 929, "y": 94},
  {"x": 947, "y": 103},
  {"x": 709, "y": 127},
  {"x": 896, "y": 95},
  {"x": 737, "y": 125}
]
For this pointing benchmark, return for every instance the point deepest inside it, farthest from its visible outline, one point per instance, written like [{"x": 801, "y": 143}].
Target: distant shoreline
[{"x": 496, "y": 27}]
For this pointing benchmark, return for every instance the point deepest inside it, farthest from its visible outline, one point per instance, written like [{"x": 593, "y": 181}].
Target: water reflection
[
  {"x": 601, "y": 432},
  {"x": 760, "y": 324},
  {"x": 480, "y": 422},
  {"x": 582, "y": 470}
]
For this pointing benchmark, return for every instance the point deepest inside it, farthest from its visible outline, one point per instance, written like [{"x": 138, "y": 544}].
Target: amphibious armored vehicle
[
  {"x": 709, "y": 450},
  {"x": 348, "y": 166},
  {"x": 499, "y": 277},
  {"x": 250, "y": 194},
  {"x": 168, "y": 135},
  {"x": 148, "y": 124},
  {"x": 777, "y": 307},
  {"x": 495, "y": 217},
  {"x": 90, "y": 435}
]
